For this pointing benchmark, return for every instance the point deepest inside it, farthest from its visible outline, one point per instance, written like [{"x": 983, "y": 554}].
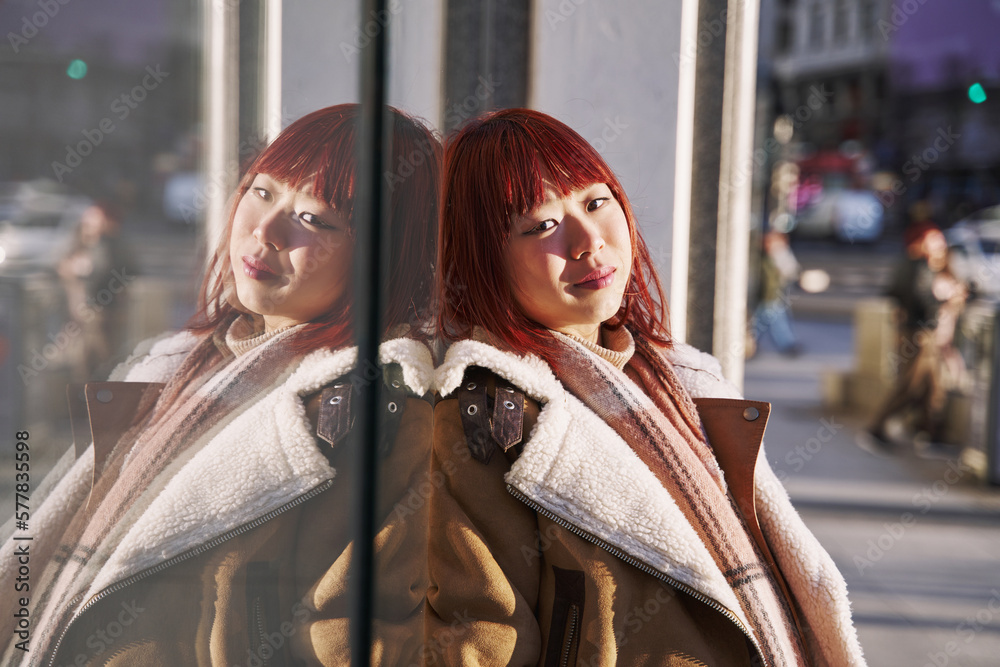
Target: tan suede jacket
[
  {"x": 249, "y": 567},
  {"x": 566, "y": 550}
]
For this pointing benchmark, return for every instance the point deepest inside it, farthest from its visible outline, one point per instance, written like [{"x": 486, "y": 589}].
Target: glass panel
[{"x": 98, "y": 212}]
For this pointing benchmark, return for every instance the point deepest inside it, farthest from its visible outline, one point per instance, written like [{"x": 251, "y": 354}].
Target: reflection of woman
[
  {"x": 602, "y": 496},
  {"x": 209, "y": 522}
]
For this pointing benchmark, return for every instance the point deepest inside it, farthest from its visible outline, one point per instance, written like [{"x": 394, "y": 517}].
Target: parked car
[
  {"x": 852, "y": 216},
  {"x": 39, "y": 222},
  {"x": 975, "y": 245}
]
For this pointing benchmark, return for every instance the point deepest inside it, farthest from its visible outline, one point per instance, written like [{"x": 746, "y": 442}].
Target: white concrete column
[
  {"x": 736, "y": 182},
  {"x": 221, "y": 110}
]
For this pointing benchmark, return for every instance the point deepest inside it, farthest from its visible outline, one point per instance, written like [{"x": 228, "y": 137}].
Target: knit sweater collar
[
  {"x": 246, "y": 334},
  {"x": 617, "y": 346}
]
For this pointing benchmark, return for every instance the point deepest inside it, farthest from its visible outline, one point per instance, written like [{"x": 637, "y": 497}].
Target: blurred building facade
[
  {"x": 827, "y": 60},
  {"x": 912, "y": 83}
]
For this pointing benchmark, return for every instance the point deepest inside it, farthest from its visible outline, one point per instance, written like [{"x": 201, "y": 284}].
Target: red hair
[
  {"x": 494, "y": 168},
  {"x": 320, "y": 149}
]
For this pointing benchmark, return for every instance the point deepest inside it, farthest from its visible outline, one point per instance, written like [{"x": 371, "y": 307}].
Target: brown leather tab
[
  {"x": 508, "y": 417},
  {"x": 736, "y": 438},
  {"x": 79, "y": 420},
  {"x": 735, "y": 429},
  {"x": 113, "y": 408},
  {"x": 335, "y": 418},
  {"x": 473, "y": 408}
]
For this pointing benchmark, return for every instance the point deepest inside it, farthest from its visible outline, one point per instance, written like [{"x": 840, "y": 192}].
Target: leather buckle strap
[
  {"x": 335, "y": 417},
  {"x": 487, "y": 428},
  {"x": 336, "y": 414}
]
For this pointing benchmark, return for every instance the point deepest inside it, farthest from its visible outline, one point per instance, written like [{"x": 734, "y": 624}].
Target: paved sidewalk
[{"x": 918, "y": 540}]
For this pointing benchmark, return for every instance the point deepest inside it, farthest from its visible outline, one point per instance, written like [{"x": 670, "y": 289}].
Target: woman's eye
[
  {"x": 543, "y": 226},
  {"x": 311, "y": 219},
  {"x": 263, "y": 193},
  {"x": 314, "y": 220},
  {"x": 595, "y": 204}
]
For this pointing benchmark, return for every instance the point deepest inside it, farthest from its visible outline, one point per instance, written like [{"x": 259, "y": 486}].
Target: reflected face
[
  {"x": 291, "y": 253},
  {"x": 570, "y": 259}
]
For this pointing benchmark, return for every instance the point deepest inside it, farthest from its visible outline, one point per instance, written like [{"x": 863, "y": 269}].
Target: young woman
[
  {"x": 209, "y": 521},
  {"x": 601, "y": 493}
]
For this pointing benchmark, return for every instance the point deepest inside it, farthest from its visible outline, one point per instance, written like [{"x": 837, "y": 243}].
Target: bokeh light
[
  {"x": 77, "y": 69},
  {"x": 976, "y": 93}
]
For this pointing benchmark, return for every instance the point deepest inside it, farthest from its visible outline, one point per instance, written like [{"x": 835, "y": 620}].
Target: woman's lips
[
  {"x": 256, "y": 269},
  {"x": 598, "y": 278}
]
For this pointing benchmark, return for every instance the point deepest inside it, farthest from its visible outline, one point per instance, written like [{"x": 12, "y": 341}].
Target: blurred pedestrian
[
  {"x": 931, "y": 298},
  {"x": 88, "y": 275},
  {"x": 779, "y": 270}
]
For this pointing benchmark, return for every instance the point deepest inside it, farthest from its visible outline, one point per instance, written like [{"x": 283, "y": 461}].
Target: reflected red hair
[
  {"x": 494, "y": 169},
  {"x": 320, "y": 149}
]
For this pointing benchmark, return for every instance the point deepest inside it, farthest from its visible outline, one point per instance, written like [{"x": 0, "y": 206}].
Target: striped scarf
[
  {"x": 659, "y": 421},
  {"x": 211, "y": 388}
]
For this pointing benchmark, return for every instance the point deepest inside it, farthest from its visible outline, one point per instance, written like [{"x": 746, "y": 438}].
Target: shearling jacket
[
  {"x": 243, "y": 558},
  {"x": 567, "y": 550}
]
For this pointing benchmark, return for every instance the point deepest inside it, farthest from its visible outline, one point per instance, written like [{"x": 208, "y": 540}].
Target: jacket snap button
[
  {"x": 396, "y": 384},
  {"x": 473, "y": 409},
  {"x": 470, "y": 386},
  {"x": 509, "y": 405},
  {"x": 392, "y": 407},
  {"x": 105, "y": 396},
  {"x": 750, "y": 414},
  {"x": 335, "y": 400}
]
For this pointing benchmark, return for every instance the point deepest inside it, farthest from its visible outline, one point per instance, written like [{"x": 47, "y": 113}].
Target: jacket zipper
[
  {"x": 634, "y": 562},
  {"x": 159, "y": 567},
  {"x": 574, "y": 619},
  {"x": 258, "y": 613}
]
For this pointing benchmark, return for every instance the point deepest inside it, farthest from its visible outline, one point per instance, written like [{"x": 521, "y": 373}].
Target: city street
[{"x": 917, "y": 540}]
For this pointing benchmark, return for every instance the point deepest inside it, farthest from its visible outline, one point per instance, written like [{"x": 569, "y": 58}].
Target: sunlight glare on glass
[{"x": 77, "y": 69}]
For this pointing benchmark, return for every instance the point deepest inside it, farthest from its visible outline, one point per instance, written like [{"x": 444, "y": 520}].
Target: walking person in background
[
  {"x": 88, "y": 271},
  {"x": 779, "y": 270},
  {"x": 931, "y": 298}
]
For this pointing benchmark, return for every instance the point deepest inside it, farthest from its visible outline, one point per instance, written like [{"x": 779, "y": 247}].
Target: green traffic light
[
  {"x": 976, "y": 93},
  {"x": 77, "y": 69}
]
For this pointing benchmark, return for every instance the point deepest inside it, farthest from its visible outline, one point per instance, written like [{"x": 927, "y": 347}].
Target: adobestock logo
[{"x": 31, "y": 25}]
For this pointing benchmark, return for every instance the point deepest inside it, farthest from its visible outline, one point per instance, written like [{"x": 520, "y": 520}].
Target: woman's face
[
  {"x": 291, "y": 253},
  {"x": 570, "y": 259}
]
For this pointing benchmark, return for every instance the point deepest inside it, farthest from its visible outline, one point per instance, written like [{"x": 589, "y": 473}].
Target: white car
[
  {"x": 975, "y": 246},
  {"x": 852, "y": 216},
  {"x": 39, "y": 222}
]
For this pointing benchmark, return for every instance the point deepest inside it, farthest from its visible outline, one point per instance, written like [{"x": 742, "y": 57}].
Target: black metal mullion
[{"x": 368, "y": 307}]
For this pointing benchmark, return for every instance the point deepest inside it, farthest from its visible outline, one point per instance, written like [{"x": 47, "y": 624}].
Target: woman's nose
[
  {"x": 585, "y": 237},
  {"x": 270, "y": 230}
]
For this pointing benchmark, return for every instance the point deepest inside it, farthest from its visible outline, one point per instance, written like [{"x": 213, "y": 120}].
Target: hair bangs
[
  {"x": 323, "y": 154},
  {"x": 533, "y": 157}
]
